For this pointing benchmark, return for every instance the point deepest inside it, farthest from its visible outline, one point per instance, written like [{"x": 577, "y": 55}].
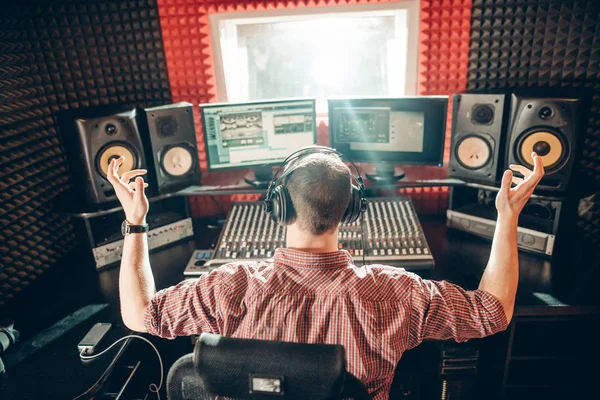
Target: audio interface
[
  {"x": 527, "y": 239},
  {"x": 158, "y": 237},
  {"x": 542, "y": 221}
]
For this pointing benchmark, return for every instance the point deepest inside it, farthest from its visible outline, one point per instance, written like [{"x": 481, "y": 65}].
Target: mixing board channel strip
[{"x": 393, "y": 235}]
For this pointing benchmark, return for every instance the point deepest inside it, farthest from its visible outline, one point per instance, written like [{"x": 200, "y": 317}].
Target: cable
[
  {"x": 218, "y": 205},
  {"x": 96, "y": 386},
  {"x": 362, "y": 236},
  {"x": 93, "y": 386},
  {"x": 152, "y": 387}
]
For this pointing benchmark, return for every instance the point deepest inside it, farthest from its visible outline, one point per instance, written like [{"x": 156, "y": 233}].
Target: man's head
[{"x": 320, "y": 190}]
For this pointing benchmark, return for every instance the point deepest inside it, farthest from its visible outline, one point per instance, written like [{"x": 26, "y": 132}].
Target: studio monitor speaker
[
  {"x": 551, "y": 128},
  {"x": 91, "y": 139},
  {"x": 170, "y": 142},
  {"x": 477, "y": 146}
]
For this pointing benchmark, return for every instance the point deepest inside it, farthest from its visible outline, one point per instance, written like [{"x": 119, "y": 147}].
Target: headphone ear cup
[
  {"x": 283, "y": 210},
  {"x": 354, "y": 206}
]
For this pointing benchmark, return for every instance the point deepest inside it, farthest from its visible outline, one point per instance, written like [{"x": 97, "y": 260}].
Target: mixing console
[{"x": 393, "y": 235}]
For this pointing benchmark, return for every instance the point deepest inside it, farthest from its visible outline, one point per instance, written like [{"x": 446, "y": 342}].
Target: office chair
[{"x": 262, "y": 369}]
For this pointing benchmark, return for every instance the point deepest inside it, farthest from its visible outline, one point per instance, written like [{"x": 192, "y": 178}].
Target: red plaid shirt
[{"x": 376, "y": 312}]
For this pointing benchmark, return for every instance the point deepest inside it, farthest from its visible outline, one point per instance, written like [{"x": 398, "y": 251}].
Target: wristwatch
[{"x": 127, "y": 228}]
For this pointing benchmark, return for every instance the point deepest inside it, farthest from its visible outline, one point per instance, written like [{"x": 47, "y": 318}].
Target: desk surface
[
  {"x": 565, "y": 285},
  {"x": 547, "y": 286}
]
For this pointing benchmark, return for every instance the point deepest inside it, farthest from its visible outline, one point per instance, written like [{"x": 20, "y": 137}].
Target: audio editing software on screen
[
  {"x": 247, "y": 135},
  {"x": 380, "y": 129}
]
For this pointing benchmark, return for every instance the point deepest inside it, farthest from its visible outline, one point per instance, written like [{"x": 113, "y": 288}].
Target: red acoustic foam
[{"x": 444, "y": 46}]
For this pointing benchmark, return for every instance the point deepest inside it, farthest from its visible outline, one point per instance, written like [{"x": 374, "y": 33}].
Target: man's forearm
[
  {"x": 136, "y": 283},
  {"x": 501, "y": 275}
]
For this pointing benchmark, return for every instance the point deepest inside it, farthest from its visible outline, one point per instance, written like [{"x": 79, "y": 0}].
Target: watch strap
[{"x": 138, "y": 228}]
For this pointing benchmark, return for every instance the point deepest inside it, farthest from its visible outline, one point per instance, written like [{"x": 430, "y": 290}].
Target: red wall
[{"x": 443, "y": 59}]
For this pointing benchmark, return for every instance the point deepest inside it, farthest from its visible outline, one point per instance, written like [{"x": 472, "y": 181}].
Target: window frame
[{"x": 301, "y": 13}]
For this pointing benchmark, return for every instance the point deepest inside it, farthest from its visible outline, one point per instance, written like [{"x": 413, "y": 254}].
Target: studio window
[{"x": 363, "y": 50}]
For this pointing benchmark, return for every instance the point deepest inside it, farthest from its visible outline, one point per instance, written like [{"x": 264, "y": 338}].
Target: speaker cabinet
[
  {"x": 477, "y": 148},
  {"x": 551, "y": 128},
  {"x": 170, "y": 142},
  {"x": 91, "y": 139}
]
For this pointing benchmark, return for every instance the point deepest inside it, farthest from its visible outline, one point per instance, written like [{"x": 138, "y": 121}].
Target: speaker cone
[
  {"x": 177, "y": 161},
  {"x": 107, "y": 154},
  {"x": 548, "y": 145},
  {"x": 473, "y": 152}
]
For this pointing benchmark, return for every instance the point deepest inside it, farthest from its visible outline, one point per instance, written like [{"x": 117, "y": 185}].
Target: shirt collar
[{"x": 303, "y": 259}]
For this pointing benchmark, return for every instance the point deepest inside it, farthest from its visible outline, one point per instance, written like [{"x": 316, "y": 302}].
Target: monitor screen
[
  {"x": 243, "y": 135},
  {"x": 407, "y": 130}
]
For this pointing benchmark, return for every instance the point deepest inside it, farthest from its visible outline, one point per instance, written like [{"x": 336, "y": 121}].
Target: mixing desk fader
[{"x": 393, "y": 235}]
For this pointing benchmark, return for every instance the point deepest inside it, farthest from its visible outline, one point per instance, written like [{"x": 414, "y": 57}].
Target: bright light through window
[{"x": 366, "y": 50}]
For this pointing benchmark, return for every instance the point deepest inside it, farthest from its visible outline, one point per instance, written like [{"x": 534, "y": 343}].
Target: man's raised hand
[
  {"x": 130, "y": 194},
  {"x": 510, "y": 201}
]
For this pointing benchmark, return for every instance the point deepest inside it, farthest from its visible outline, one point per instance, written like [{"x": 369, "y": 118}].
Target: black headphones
[{"x": 279, "y": 204}]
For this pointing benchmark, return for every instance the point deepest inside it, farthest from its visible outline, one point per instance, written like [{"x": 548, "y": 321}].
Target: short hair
[{"x": 320, "y": 189}]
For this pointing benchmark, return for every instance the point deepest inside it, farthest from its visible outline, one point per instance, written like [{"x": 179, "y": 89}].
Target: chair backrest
[
  {"x": 184, "y": 383},
  {"x": 263, "y": 369}
]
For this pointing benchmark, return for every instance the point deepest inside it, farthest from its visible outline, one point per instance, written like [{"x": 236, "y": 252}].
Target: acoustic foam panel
[
  {"x": 528, "y": 44},
  {"x": 443, "y": 56},
  {"x": 56, "y": 56}
]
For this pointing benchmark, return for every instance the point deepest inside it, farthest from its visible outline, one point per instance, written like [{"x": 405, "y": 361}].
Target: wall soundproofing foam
[{"x": 54, "y": 56}]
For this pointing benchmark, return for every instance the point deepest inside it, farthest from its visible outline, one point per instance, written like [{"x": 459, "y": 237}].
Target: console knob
[{"x": 528, "y": 239}]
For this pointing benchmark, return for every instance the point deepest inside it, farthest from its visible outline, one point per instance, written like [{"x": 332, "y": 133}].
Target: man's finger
[
  {"x": 132, "y": 185},
  {"x": 139, "y": 190},
  {"x": 121, "y": 188},
  {"x": 113, "y": 165},
  {"x": 516, "y": 180},
  {"x": 127, "y": 176},
  {"x": 506, "y": 180},
  {"x": 526, "y": 172},
  {"x": 538, "y": 167},
  {"x": 110, "y": 172},
  {"x": 532, "y": 180},
  {"x": 118, "y": 163}
]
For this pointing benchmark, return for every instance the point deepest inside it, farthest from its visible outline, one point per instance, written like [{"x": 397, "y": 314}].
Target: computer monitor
[
  {"x": 389, "y": 131},
  {"x": 257, "y": 135}
]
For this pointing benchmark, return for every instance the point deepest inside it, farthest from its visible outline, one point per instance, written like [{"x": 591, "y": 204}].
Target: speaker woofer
[
  {"x": 548, "y": 144},
  {"x": 116, "y": 150},
  {"x": 177, "y": 160},
  {"x": 473, "y": 152}
]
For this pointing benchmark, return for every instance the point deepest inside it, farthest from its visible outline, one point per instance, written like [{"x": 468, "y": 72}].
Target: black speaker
[
  {"x": 551, "y": 128},
  {"x": 169, "y": 137},
  {"x": 477, "y": 147},
  {"x": 91, "y": 139}
]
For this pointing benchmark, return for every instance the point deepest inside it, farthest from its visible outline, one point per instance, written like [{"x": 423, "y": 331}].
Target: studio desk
[{"x": 550, "y": 349}]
